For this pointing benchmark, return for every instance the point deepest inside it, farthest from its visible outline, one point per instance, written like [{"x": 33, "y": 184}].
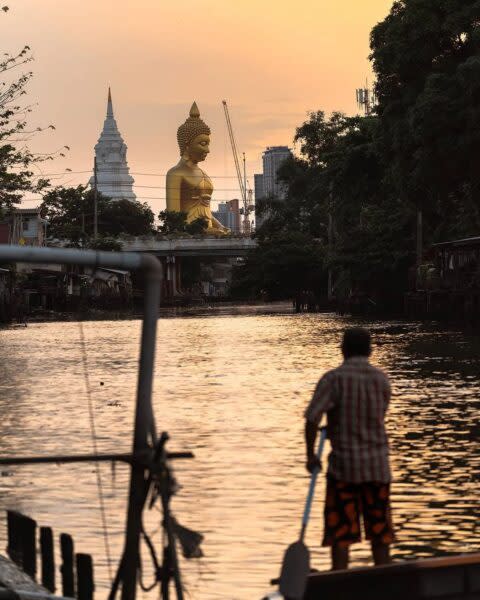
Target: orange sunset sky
[{"x": 272, "y": 61}]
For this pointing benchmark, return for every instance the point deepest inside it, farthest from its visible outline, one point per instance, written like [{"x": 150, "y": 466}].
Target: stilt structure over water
[{"x": 113, "y": 176}]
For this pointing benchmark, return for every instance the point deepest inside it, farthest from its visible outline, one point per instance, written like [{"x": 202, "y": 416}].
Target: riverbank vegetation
[{"x": 360, "y": 185}]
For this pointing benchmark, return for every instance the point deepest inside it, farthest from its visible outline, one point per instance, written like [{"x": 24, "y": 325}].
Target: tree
[
  {"x": 175, "y": 222},
  {"x": 172, "y": 221},
  {"x": 282, "y": 266},
  {"x": 197, "y": 226},
  {"x": 426, "y": 55},
  {"x": 16, "y": 160},
  {"x": 117, "y": 217},
  {"x": 105, "y": 243},
  {"x": 70, "y": 215},
  {"x": 359, "y": 182}
]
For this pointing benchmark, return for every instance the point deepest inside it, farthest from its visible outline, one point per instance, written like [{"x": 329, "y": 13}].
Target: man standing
[{"x": 355, "y": 397}]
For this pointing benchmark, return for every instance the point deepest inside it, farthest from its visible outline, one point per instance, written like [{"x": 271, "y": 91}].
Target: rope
[{"x": 95, "y": 451}]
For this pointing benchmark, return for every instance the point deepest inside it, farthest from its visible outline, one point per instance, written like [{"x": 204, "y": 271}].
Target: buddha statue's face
[{"x": 199, "y": 148}]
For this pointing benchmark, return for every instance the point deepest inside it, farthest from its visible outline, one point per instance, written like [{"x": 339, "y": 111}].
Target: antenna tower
[{"x": 366, "y": 99}]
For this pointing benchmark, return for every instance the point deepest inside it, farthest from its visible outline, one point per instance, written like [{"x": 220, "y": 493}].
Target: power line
[
  {"x": 40, "y": 199},
  {"x": 135, "y": 173},
  {"x": 161, "y": 187},
  {"x": 63, "y": 173}
]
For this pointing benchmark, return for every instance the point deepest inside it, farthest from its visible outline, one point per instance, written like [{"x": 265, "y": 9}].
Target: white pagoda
[{"x": 113, "y": 177}]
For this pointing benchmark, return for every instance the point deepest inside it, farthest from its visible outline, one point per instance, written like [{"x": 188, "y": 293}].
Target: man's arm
[
  {"x": 322, "y": 401},
  {"x": 313, "y": 461}
]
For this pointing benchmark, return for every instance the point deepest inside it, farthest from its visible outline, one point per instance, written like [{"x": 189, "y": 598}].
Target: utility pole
[
  {"x": 419, "y": 240},
  {"x": 246, "y": 220},
  {"x": 95, "y": 200},
  {"x": 330, "y": 243}
]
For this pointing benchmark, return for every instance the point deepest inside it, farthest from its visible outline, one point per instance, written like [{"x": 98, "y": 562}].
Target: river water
[{"x": 232, "y": 388}]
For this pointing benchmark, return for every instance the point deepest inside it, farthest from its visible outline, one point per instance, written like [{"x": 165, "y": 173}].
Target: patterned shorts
[{"x": 343, "y": 505}]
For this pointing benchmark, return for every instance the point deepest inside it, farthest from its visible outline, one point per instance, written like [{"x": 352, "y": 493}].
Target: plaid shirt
[{"x": 355, "y": 397}]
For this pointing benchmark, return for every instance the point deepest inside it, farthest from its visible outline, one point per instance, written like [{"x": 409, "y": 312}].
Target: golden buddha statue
[{"x": 189, "y": 188}]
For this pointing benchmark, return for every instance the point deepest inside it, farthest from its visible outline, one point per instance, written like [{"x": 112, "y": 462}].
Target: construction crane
[{"x": 242, "y": 181}]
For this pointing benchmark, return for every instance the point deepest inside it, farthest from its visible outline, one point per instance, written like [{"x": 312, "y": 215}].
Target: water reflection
[{"x": 233, "y": 388}]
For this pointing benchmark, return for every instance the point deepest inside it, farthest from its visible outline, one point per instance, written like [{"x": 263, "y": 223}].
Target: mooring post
[
  {"x": 14, "y": 545},
  {"x": 85, "y": 584},
  {"x": 48, "y": 558},
  {"x": 21, "y": 546},
  {"x": 66, "y": 550},
  {"x": 28, "y": 529}
]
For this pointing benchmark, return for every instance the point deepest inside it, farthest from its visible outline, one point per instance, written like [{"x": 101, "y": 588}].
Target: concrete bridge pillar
[
  {"x": 170, "y": 275},
  {"x": 173, "y": 275}
]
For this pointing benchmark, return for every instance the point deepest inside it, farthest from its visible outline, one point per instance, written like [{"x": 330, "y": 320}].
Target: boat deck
[{"x": 449, "y": 578}]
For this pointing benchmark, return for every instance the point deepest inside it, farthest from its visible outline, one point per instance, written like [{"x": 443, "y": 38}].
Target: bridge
[
  {"x": 172, "y": 251},
  {"x": 201, "y": 246}
]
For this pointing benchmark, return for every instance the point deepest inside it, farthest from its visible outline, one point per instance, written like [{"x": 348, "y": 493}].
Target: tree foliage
[
  {"x": 17, "y": 161},
  {"x": 70, "y": 215},
  {"x": 426, "y": 55},
  {"x": 370, "y": 175},
  {"x": 175, "y": 222}
]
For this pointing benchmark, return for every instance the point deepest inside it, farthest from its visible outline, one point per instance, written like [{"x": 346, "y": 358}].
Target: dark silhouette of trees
[
  {"x": 70, "y": 214},
  {"x": 174, "y": 222},
  {"x": 359, "y": 182}
]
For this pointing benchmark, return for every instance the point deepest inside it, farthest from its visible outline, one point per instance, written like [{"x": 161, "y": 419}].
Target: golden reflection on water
[{"x": 233, "y": 388}]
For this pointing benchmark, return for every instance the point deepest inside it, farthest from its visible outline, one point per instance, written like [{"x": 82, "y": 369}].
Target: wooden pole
[
  {"x": 48, "y": 558},
  {"x": 66, "y": 550},
  {"x": 419, "y": 248},
  {"x": 14, "y": 547},
  {"x": 29, "y": 550},
  {"x": 330, "y": 244},
  {"x": 419, "y": 236},
  {"x": 85, "y": 583},
  {"x": 21, "y": 546}
]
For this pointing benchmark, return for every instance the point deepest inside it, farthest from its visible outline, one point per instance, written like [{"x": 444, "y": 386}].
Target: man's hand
[{"x": 313, "y": 462}]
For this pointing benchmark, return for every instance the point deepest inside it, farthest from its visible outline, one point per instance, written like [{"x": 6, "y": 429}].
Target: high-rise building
[
  {"x": 266, "y": 184},
  {"x": 259, "y": 191},
  {"x": 273, "y": 157},
  {"x": 228, "y": 214},
  {"x": 113, "y": 177},
  {"x": 259, "y": 195}
]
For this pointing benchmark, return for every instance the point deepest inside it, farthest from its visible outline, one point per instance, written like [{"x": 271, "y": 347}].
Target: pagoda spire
[
  {"x": 113, "y": 177},
  {"x": 109, "y": 104}
]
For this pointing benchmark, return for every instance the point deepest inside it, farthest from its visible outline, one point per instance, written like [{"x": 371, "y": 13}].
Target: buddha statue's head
[{"x": 194, "y": 137}]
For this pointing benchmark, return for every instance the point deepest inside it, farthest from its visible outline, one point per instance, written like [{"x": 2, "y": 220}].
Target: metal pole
[
  {"x": 144, "y": 421},
  {"x": 129, "y": 261},
  {"x": 95, "y": 200},
  {"x": 144, "y": 427}
]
